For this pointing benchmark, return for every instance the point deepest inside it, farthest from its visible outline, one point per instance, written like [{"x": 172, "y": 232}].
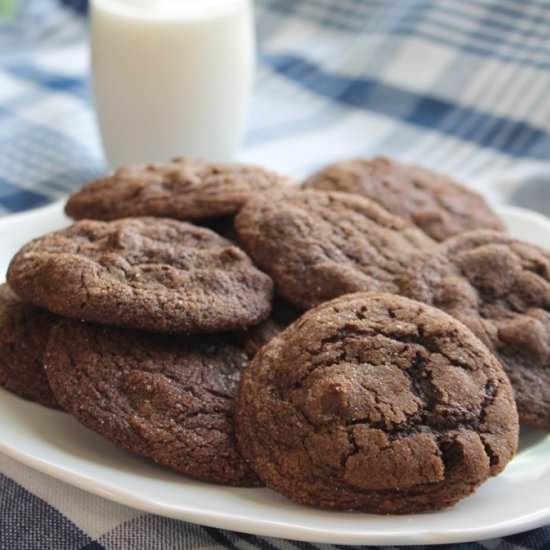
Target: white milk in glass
[{"x": 171, "y": 77}]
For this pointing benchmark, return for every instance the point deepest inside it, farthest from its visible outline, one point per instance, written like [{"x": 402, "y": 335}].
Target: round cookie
[
  {"x": 500, "y": 288},
  {"x": 440, "y": 206},
  {"x": 182, "y": 189},
  {"x": 146, "y": 273},
  {"x": 24, "y": 332},
  {"x": 318, "y": 245},
  {"x": 376, "y": 403},
  {"x": 168, "y": 398}
]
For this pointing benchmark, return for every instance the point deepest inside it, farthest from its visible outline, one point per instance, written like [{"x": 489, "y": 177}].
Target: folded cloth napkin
[{"x": 459, "y": 86}]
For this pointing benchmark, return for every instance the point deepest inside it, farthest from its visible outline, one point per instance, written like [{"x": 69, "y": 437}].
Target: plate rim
[
  {"x": 261, "y": 526},
  {"x": 10, "y": 217},
  {"x": 268, "y": 528}
]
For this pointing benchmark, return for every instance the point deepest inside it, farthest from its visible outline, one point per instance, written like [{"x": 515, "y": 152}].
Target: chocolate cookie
[
  {"x": 24, "y": 331},
  {"x": 377, "y": 403},
  {"x": 500, "y": 288},
  {"x": 438, "y": 205},
  {"x": 169, "y": 398},
  {"x": 147, "y": 273},
  {"x": 182, "y": 189},
  {"x": 319, "y": 245}
]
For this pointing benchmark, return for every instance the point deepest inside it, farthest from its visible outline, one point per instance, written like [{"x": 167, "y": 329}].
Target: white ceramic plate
[{"x": 54, "y": 443}]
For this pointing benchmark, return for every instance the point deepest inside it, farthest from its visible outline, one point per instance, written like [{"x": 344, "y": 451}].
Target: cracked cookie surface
[
  {"x": 434, "y": 202},
  {"x": 168, "y": 398},
  {"x": 146, "y": 273},
  {"x": 24, "y": 331},
  {"x": 182, "y": 189},
  {"x": 319, "y": 245},
  {"x": 500, "y": 288},
  {"x": 377, "y": 403}
]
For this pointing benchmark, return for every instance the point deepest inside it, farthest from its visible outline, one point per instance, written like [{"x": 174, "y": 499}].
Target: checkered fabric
[{"x": 459, "y": 85}]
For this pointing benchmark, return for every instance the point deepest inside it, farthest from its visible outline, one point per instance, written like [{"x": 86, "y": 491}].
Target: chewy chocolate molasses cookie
[
  {"x": 319, "y": 245},
  {"x": 24, "y": 331},
  {"x": 182, "y": 189},
  {"x": 147, "y": 273},
  {"x": 377, "y": 403},
  {"x": 169, "y": 398},
  {"x": 500, "y": 288},
  {"x": 434, "y": 202}
]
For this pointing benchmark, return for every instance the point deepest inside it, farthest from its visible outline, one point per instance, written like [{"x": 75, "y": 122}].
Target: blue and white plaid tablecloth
[{"x": 459, "y": 85}]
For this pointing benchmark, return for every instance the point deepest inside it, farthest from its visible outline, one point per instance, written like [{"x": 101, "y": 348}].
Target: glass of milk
[{"x": 171, "y": 77}]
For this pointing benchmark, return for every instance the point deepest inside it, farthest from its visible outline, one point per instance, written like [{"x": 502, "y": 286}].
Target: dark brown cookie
[
  {"x": 319, "y": 245},
  {"x": 147, "y": 273},
  {"x": 182, "y": 189},
  {"x": 24, "y": 331},
  {"x": 377, "y": 403},
  {"x": 500, "y": 288},
  {"x": 440, "y": 206},
  {"x": 169, "y": 398}
]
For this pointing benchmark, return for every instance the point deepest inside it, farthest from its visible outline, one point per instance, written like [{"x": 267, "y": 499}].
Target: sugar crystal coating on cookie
[
  {"x": 377, "y": 403},
  {"x": 182, "y": 189},
  {"x": 500, "y": 288},
  {"x": 169, "y": 398},
  {"x": 319, "y": 245},
  {"x": 440, "y": 206},
  {"x": 146, "y": 273},
  {"x": 24, "y": 331}
]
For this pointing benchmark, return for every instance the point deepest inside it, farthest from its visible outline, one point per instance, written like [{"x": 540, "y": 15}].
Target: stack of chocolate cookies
[{"x": 349, "y": 342}]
